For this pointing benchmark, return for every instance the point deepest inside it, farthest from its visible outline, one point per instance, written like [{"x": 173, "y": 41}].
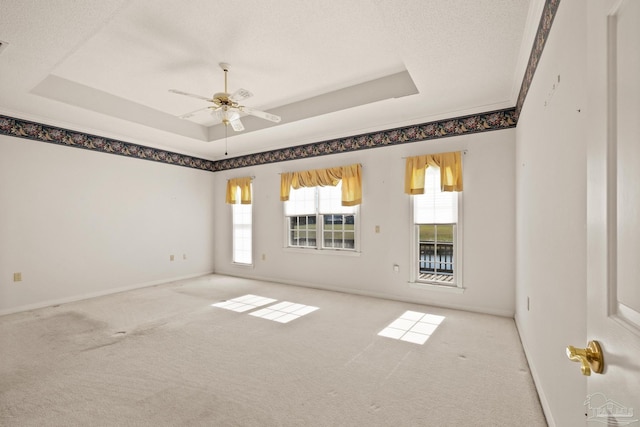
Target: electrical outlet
[
  {"x": 396, "y": 268},
  {"x": 171, "y": 257},
  {"x": 377, "y": 228},
  {"x": 17, "y": 277}
]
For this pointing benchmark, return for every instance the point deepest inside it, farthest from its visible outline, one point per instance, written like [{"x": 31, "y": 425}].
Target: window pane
[
  {"x": 302, "y": 231},
  {"x": 349, "y": 240},
  {"x": 427, "y": 233},
  {"x": 339, "y": 231},
  {"x": 332, "y": 219},
  {"x": 445, "y": 232},
  {"x": 436, "y": 252}
]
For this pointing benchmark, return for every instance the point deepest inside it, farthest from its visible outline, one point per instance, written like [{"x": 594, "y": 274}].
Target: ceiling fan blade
[
  {"x": 193, "y": 113},
  {"x": 240, "y": 94},
  {"x": 261, "y": 114},
  {"x": 179, "y": 92},
  {"x": 237, "y": 125}
]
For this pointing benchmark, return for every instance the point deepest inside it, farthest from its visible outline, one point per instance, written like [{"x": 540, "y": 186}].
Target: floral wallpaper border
[
  {"x": 542, "y": 34},
  {"x": 483, "y": 122},
  {"x": 12, "y": 126},
  {"x": 495, "y": 120}
]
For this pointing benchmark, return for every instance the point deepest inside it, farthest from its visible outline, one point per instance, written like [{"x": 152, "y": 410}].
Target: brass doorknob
[{"x": 590, "y": 358}]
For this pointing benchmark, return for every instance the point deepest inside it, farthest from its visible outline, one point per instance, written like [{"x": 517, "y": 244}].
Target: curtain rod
[
  {"x": 252, "y": 177},
  {"x": 465, "y": 151},
  {"x": 360, "y": 164}
]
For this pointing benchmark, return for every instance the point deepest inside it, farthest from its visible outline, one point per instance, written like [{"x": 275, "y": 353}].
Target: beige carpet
[{"x": 163, "y": 356}]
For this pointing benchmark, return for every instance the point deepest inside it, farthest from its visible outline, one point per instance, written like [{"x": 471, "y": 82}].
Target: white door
[{"x": 613, "y": 210}]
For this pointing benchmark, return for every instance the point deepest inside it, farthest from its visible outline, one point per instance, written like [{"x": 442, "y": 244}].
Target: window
[
  {"x": 436, "y": 233},
  {"x": 242, "y": 232},
  {"x": 316, "y": 219}
]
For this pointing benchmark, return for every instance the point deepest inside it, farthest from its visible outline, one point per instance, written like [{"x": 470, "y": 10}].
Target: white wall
[
  {"x": 489, "y": 226},
  {"x": 77, "y": 223},
  {"x": 551, "y": 217}
]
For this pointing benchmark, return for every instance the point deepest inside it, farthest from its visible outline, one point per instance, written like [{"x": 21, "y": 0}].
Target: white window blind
[
  {"x": 435, "y": 206},
  {"x": 301, "y": 202},
  {"x": 330, "y": 201}
]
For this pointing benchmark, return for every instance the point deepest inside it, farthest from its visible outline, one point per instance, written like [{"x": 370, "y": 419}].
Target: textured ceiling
[{"x": 329, "y": 68}]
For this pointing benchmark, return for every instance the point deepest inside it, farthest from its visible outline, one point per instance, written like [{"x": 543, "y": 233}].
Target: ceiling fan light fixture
[{"x": 226, "y": 115}]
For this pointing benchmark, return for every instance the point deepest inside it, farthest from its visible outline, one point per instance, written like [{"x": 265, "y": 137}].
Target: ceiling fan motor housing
[{"x": 222, "y": 98}]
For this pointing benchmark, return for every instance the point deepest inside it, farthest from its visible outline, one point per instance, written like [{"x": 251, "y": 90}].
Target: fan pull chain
[{"x": 225, "y": 139}]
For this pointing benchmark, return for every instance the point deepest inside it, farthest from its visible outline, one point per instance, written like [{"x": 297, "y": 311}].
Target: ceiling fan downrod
[{"x": 225, "y": 68}]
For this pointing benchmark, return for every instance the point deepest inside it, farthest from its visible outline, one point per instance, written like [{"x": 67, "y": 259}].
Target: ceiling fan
[{"x": 226, "y": 106}]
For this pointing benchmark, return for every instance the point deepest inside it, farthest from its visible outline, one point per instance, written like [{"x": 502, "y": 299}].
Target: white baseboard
[
  {"x": 393, "y": 297},
  {"x": 536, "y": 379},
  {"x": 73, "y": 298},
  {"x": 342, "y": 289}
]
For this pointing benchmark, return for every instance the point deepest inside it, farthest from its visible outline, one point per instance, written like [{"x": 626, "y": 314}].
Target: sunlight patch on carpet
[
  {"x": 244, "y": 303},
  {"x": 284, "y": 312},
  {"x": 412, "y": 326}
]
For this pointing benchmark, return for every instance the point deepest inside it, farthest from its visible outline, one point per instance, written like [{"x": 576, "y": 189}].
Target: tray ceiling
[{"x": 328, "y": 68}]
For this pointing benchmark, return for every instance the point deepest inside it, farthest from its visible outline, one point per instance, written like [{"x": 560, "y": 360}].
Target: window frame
[
  {"x": 414, "y": 279},
  {"x": 234, "y": 207},
  {"x": 320, "y": 230}
]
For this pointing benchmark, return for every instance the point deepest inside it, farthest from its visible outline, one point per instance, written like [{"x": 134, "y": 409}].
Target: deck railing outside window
[{"x": 436, "y": 258}]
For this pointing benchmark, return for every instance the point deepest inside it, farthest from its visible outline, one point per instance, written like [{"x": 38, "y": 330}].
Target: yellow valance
[
  {"x": 245, "y": 190},
  {"x": 450, "y": 165},
  {"x": 351, "y": 177}
]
